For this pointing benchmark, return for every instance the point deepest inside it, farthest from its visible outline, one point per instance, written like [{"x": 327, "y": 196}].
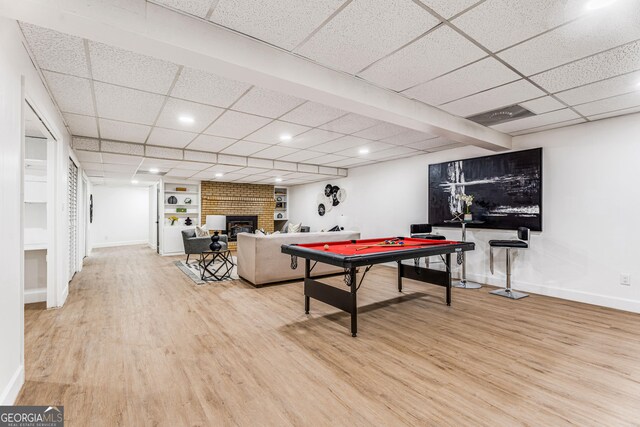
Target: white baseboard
[
  {"x": 568, "y": 294},
  {"x": 62, "y": 298},
  {"x": 125, "y": 243},
  {"x": 35, "y": 295},
  {"x": 12, "y": 389}
]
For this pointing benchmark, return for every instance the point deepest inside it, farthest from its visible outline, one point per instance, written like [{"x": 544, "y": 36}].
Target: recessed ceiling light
[
  {"x": 187, "y": 120},
  {"x": 364, "y": 151},
  {"x": 278, "y": 179},
  {"x": 285, "y": 137},
  {"x": 134, "y": 181},
  {"x": 599, "y": 4},
  {"x": 219, "y": 175},
  {"x": 154, "y": 170}
]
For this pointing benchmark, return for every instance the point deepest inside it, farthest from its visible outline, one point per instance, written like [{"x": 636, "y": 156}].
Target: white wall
[
  {"x": 120, "y": 215},
  {"x": 18, "y": 80},
  {"x": 153, "y": 216},
  {"x": 589, "y": 202}
]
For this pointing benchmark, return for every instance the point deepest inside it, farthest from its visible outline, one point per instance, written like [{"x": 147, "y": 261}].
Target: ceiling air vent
[
  {"x": 501, "y": 115},
  {"x": 150, "y": 174}
]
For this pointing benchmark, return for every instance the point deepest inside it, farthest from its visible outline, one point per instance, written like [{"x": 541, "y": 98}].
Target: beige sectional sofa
[{"x": 260, "y": 260}]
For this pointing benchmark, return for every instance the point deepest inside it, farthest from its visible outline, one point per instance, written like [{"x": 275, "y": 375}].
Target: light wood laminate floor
[{"x": 138, "y": 344}]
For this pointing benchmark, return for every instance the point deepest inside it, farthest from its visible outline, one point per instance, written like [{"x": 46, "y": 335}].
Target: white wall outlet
[{"x": 625, "y": 279}]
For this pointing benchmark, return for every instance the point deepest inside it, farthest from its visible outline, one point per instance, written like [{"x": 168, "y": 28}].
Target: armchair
[{"x": 197, "y": 245}]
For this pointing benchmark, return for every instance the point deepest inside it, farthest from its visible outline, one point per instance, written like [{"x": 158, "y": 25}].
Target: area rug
[{"x": 193, "y": 272}]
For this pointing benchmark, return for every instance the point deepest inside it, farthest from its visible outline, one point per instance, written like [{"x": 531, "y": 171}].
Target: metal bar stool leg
[{"x": 507, "y": 292}]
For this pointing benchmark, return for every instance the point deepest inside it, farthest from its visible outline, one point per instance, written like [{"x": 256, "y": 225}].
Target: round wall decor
[
  {"x": 330, "y": 196},
  {"x": 321, "y": 209}
]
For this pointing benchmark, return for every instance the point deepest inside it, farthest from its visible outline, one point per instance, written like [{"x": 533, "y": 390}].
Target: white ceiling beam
[{"x": 156, "y": 31}]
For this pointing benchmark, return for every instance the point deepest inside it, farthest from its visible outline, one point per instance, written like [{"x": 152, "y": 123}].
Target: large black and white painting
[{"x": 506, "y": 190}]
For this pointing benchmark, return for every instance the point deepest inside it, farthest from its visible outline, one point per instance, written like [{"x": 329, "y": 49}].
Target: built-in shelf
[
  {"x": 280, "y": 195},
  {"x": 35, "y": 246},
  {"x": 170, "y": 236},
  {"x": 182, "y": 192}
]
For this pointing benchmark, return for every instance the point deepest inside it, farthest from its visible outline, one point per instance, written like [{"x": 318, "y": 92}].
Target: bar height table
[{"x": 464, "y": 283}]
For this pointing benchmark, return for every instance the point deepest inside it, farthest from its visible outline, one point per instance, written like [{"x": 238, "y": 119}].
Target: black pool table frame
[{"x": 347, "y": 300}]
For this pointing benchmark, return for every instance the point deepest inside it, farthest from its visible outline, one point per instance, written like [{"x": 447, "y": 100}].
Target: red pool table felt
[{"x": 347, "y": 247}]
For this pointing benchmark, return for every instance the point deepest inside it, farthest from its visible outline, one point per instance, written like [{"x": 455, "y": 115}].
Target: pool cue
[{"x": 396, "y": 246}]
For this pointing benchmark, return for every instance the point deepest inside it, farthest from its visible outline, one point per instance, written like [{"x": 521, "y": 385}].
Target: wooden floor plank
[{"x": 138, "y": 343}]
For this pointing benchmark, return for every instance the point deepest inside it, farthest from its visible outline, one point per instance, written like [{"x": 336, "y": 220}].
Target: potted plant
[
  {"x": 467, "y": 199},
  {"x": 173, "y": 219}
]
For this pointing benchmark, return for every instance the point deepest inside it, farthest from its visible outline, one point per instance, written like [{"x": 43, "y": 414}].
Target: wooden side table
[{"x": 209, "y": 270}]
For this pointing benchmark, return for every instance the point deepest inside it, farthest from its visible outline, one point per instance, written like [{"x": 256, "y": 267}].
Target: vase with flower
[
  {"x": 467, "y": 199},
  {"x": 173, "y": 219}
]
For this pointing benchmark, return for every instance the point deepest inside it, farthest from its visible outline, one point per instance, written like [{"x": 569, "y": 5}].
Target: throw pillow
[
  {"x": 259, "y": 233},
  {"x": 201, "y": 231},
  {"x": 294, "y": 228},
  {"x": 336, "y": 228}
]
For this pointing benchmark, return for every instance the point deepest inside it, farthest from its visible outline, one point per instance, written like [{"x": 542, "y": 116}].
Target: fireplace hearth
[{"x": 240, "y": 224}]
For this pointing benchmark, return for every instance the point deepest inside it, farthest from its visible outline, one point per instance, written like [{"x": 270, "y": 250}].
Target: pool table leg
[
  {"x": 307, "y": 274},
  {"x": 399, "y": 276},
  {"x": 354, "y": 303},
  {"x": 448, "y": 262}
]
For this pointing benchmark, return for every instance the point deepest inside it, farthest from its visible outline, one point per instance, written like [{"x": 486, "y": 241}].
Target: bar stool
[
  {"x": 521, "y": 243},
  {"x": 423, "y": 231}
]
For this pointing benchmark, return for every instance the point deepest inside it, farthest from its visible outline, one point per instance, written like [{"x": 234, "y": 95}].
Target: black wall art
[
  {"x": 331, "y": 196},
  {"x": 507, "y": 190}
]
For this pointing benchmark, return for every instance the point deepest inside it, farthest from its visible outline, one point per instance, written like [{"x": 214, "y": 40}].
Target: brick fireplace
[{"x": 239, "y": 200}]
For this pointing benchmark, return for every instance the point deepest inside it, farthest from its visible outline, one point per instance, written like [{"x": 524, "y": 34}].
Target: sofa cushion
[
  {"x": 294, "y": 228},
  {"x": 201, "y": 231}
]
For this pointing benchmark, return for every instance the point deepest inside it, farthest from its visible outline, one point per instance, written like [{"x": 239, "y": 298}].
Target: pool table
[{"x": 352, "y": 254}]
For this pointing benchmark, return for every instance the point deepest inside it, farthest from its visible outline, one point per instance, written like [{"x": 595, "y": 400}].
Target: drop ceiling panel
[
  {"x": 498, "y": 24},
  {"x": 348, "y": 162},
  {"x": 301, "y": 156},
  {"x": 341, "y": 144},
  {"x": 202, "y": 115},
  {"x": 275, "y": 152},
  {"x": 408, "y": 137},
  {"x": 371, "y": 146},
  {"x": 199, "y": 8},
  {"x": 502, "y": 96},
  {"x": 615, "y": 113},
  {"x": 148, "y": 163},
  {"x": 207, "y": 88},
  {"x": 82, "y": 125},
  {"x": 577, "y": 39},
  {"x": 196, "y": 166},
  {"x": 312, "y": 114},
  {"x": 326, "y": 159},
  {"x": 390, "y": 153},
  {"x": 536, "y": 121},
  {"x": 125, "y": 169},
  {"x": 232, "y": 124},
  {"x": 121, "y": 159},
  {"x": 440, "y": 51},
  {"x": 548, "y": 127},
  {"x": 312, "y": 138},
  {"x": 245, "y": 148},
  {"x": 381, "y": 131},
  {"x": 350, "y": 123},
  {"x": 121, "y": 67},
  {"x": 473, "y": 78},
  {"x": 429, "y": 144},
  {"x": 93, "y": 166},
  {"x": 603, "y": 89},
  {"x": 270, "y": 134},
  {"x": 118, "y": 103},
  {"x": 170, "y": 137},
  {"x": 121, "y": 131},
  {"x": 56, "y": 51},
  {"x": 543, "y": 105},
  {"x": 366, "y": 30},
  {"x": 268, "y": 103},
  {"x": 223, "y": 169},
  {"x": 284, "y": 23},
  {"x": 611, "y": 63},
  {"x": 210, "y": 143},
  {"x": 88, "y": 156},
  {"x": 72, "y": 94},
  {"x": 181, "y": 173},
  {"x": 448, "y": 8},
  {"x": 620, "y": 102}
]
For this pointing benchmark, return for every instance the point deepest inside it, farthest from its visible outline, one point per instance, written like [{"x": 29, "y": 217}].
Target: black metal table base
[
  {"x": 347, "y": 300},
  {"x": 209, "y": 270}
]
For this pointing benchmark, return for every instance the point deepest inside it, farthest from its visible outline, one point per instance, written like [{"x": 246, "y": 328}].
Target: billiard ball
[{"x": 326, "y": 247}]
